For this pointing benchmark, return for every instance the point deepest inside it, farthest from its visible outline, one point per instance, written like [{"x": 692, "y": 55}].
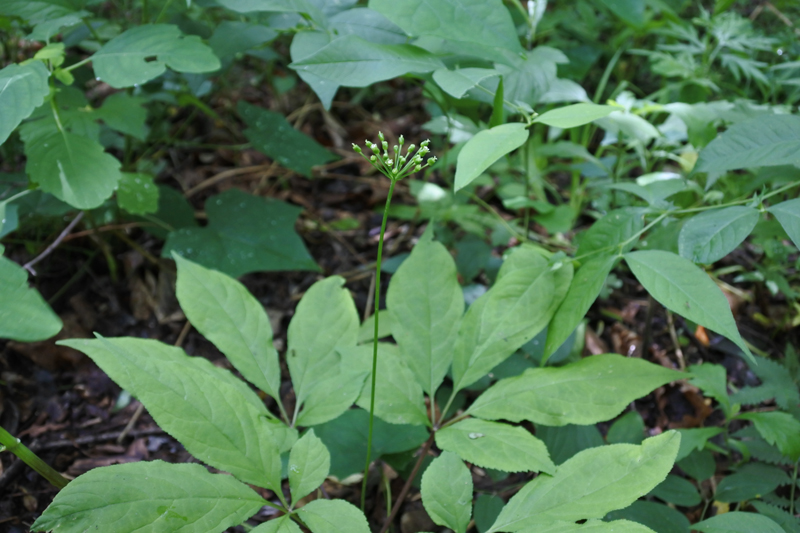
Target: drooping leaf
[
  {"x": 495, "y": 445},
  {"x": 680, "y": 286},
  {"x": 137, "y": 194},
  {"x": 332, "y": 396},
  {"x": 24, "y": 315},
  {"x": 126, "y": 114},
  {"x": 677, "y": 490},
  {"x": 72, "y": 168},
  {"x": 305, "y": 44},
  {"x": 447, "y": 492},
  {"x": 333, "y": 516},
  {"x": 244, "y": 234},
  {"x": 325, "y": 320},
  {"x": 124, "y": 61},
  {"x": 309, "y": 464},
  {"x": 708, "y": 237},
  {"x": 482, "y": 150},
  {"x": 574, "y": 115},
  {"x": 751, "y": 481},
  {"x": 591, "y": 484},
  {"x": 195, "y": 402},
  {"x": 780, "y": 429},
  {"x": 283, "y": 524},
  {"x": 353, "y": 62},
  {"x": 22, "y": 89},
  {"x": 591, "y": 390},
  {"x": 271, "y": 134},
  {"x": 225, "y": 312},
  {"x": 150, "y": 496},
  {"x": 426, "y": 304},
  {"x": 738, "y": 522},
  {"x": 457, "y": 82},
  {"x": 788, "y": 214}
]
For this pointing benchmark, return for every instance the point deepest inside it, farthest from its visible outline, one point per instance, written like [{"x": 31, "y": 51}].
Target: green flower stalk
[{"x": 395, "y": 168}]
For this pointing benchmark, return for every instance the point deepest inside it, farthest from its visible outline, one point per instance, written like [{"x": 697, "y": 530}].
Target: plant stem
[
  {"x": 375, "y": 343},
  {"x": 14, "y": 446},
  {"x": 400, "y": 497}
]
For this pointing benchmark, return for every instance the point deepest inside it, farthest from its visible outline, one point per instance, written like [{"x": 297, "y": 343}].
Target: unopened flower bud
[
  {"x": 401, "y": 140},
  {"x": 411, "y": 148},
  {"x": 425, "y": 143},
  {"x": 389, "y": 162},
  {"x": 385, "y": 146},
  {"x": 380, "y": 135},
  {"x": 431, "y": 160},
  {"x": 373, "y": 159},
  {"x": 356, "y": 148},
  {"x": 396, "y": 148},
  {"x": 417, "y": 168}
]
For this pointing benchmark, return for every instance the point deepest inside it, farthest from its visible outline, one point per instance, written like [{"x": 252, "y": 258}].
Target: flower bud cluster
[{"x": 398, "y": 166}]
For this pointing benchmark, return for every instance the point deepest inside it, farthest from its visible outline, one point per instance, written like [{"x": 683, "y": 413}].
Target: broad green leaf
[
  {"x": 738, "y": 522},
  {"x": 398, "y": 396},
  {"x": 677, "y": 490},
  {"x": 680, "y": 286},
  {"x": 24, "y": 315},
  {"x": 630, "y": 11},
  {"x": 591, "y": 484},
  {"x": 646, "y": 514},
  {"x": 591, "y": 526},
  {"x": 708, "y": 237},
  {"x": 482, "y": 150},
  {"x": 367, "y": 330},
  {"x": 353, "y": 62},
  {"x": 766, "y": 140},
  {"x": 627, "y": 429},
  {"x": 284, "y": 6},
  {"x": 225, "y": 312},
  {"x": 174, "y": 212},
  {"x": 457, "y": 82},
  {"x": 592, "y": 390},
  {"x": 695, "y": 439},
  {"x": 22, "y": 89},
  {"x": 486, "y": 510},
  {"x": 447, "y": 492},
  {"x": 333, "y": 516},
  {"x": 137, "y": 193},
  {"x": 586, "y": 285},
  {"x": 780, "y": 429},
  {"x": 712, "y": 380},
  {"x": 150, "y": 496},
  {"x": 272, "y": 135},
  {"x": 369, "y": 25},
  {"x": 612, "y": 231},
  {"x": 232, "y": 37},
  {"x": 699, "y": 465},
  {"x": 126, "y": 114},
  {"x": 283, "y": 524},
  {"x": 305, "y": 44},
  {"x": 332, "y": 396},
  {"x": 72, "y": 168},
  {"x": 495, "y": 445},
  {"x": 193, "y": 401},
  {"x": 244, "y": 234},
  {"x": 309, "y": 464},
  {"x": 125, "y": 60},
  {"x": 564, "y": 442},
  {"x": 426, "y": 304},
  {"x": 788, "y": 214},
  {"x": 750, "y": 482},
  {"x": 574, "y": 115},
  {"x": 629, "y": 126},
  {"x": 47, "y": 17},
  {"x": 325, "y": 319}
]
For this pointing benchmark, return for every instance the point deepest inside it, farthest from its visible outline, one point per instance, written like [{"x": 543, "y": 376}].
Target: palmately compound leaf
[
  {"x": 225, "y": 312},
  {"x": 283, "y": 524},
  {"x": 195, "y": 402},
  {"x": 150, "y": 496},
  {"x": 788, "y": 214},
  {"x": 592, "y": 390},
  {"x": 22, "y": 89},
  {"x": 125, "y": 60},
  {"x": 24, "y": 315},
  {"x": 333, "y": 516},
  {"x": 708, "y": 237},
  {"x": 72, "y": 168},
  {"x": 447, "y": 492},
  {"x": 485, "y": 148},
  {"x": 457, "y": 82},
  {"x": 245, "y": 233},
  {"x": 511, "y": 313},
  {"x": 780, "y": 429},
  {"x": 351, "y": 61},
  {"x": 325, "y": 320},
  {"x": 738, "y": 522},
  {"x": 574, "y": 115},
  {"x": 680, "y": 286},
  {"x": 426, "y": 304},
  {"x": 137, "y": 193},
  {"x": 591, "y": 484},
  {"x": 495, "y": 445},
  {"x": 309, "y": 464}
]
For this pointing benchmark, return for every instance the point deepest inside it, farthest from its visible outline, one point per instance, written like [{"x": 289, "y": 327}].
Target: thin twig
[
  {"x": 674, "y": 336},
  {"x": 404, "y": 491},
  {"x": 370, "y": 296},
  {"x": 47, "y": 251},
  {"x": 222, "y": 176},
  {"x": 110, "y": 227}
]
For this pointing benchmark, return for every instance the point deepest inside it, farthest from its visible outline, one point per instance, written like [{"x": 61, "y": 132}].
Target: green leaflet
[
  {"x": 591, "y": 526},
  {"x": 495, "y": 445},
  {"x": 194, "y": 402},
  {"x": 680, "y": 286},
  {"x": 617, "y": 227},
  {"x": 137, "y": 193},
  {"x": 750, "y": 482},
  {"x": 367, "y": 330},
  {"x": 225, "y": 312},
  {"x": 583, "y": 291},
  {"x": 591, "y": 390},
  {"x": 447, "y": 492},
  {"x": 368, "y": 24},
  {"x": 233, "y": 37},
  {"x": 353, "y": 62},
  {"x": 122, "y": 61},
  {"x": 788, "y": 214},
  {"x": 22, "y": 89},
  {"x": 661, "y": 518},
  {"x": 677, "y": 490},
  {"x": 627, "y": 429},
  {"x": 631, "y": 11},
  {"x": 325, "y": 319},
  {"x": 711, "y": 379},
  {"x": 309, "y": 464},
  {"x": 426, "y": 304},
  {"x": 695, "y": 439},
  {"x": 332, "y": 396},
  {"x": 72, "y": 168},
  {"x": 305, "y": 44},
  {"x": 575, "y": 115},
  {"x": 776, "y": 383},
  {"x": 510, "y": 314},
  {"x": 485, "y": 148},
  {"x": 126, "y": 114},
  {"x": 738, "y": 522},
  {"x": 286, "y": 6},
  {"x": 457, "y": 82},
  {"x": 591, "y": 484},
  {"x": 24, "y": 315},
  {"x": 151, "y": 496},
  {"x": 333, "y": 516},
  {"x": 708, "y": 237},
  {"x": 780, "y": 429},
  {"x": 283, "y": 524}
]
